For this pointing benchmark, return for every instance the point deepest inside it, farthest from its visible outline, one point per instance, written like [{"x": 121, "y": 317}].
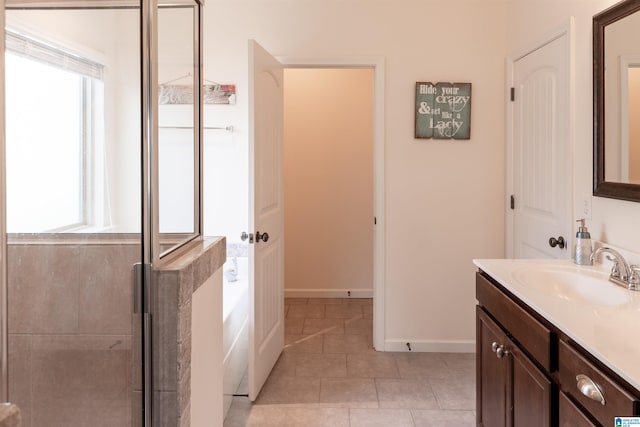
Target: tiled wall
[
  {"x": 70, "y": 330},
  {"x": 74, "y": 352},
  {"x": 175, "y": 283}
]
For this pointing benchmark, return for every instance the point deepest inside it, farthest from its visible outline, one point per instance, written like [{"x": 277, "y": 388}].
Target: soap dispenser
[{"x": 582, "y": 249}]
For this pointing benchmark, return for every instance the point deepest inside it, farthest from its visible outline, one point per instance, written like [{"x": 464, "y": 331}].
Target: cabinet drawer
[
  {"x": 617, "y": 401},
  {"x": 533, "y": 336},
  {"x": 570, "y": 415}
]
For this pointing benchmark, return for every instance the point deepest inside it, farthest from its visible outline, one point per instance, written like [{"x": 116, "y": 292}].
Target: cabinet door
[
  {"x": 532, "y": 392},
  {"x": 492, "y": 373}
]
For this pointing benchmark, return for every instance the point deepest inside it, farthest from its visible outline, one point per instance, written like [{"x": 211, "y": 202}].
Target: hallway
[{"x": 329, "y": 375}]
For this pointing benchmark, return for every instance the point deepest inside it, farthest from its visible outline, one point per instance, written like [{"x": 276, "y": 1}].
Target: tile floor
[{"x": 329, "y": 375}]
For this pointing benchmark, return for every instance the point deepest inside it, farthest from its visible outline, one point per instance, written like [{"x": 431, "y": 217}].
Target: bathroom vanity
[{"x": 557, "y": 345}]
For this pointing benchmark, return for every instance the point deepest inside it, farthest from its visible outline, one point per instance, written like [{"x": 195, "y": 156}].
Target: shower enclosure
[{"x": 100, "y": 182}]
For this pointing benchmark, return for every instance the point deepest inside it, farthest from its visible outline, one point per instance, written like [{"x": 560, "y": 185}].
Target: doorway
[
  {"x": 377, "y": 200},
  {"x": 328, "y": 182},
  {"x": 376, "y": 66}
]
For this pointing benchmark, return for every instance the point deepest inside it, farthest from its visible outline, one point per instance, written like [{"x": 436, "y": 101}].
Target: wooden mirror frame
[{"x": 601, "y": 187}]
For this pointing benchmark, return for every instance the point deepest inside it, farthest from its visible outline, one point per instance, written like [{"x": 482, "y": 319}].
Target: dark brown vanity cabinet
[
  {"x": 570, "y": 415},
  {"x": 492, "y": 374},
  {"x": 512, "y": 391},
  {"x": 529, "y": 374}
]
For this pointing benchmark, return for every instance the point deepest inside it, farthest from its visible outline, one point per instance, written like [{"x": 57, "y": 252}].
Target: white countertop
[{"x": 610, "y": 332}]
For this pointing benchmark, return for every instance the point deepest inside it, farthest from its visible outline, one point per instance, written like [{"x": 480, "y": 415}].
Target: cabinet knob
[
  {"x": 499, "y": 350},
  {"x": 589, "y": 388}
]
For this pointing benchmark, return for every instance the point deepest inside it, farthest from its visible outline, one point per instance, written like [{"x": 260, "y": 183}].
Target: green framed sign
[{"x": 443, "y": 110}]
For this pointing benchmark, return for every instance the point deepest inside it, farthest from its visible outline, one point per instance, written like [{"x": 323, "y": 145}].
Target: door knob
[
  {"x": 262, "y": 236},
  {"x": 553, "y": 242},
  {"x": 244, "y": 236}
]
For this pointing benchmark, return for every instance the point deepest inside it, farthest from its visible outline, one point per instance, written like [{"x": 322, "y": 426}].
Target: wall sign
[
  {"x": 443, "y": 110},
  {"x": 183, "y": 94}
]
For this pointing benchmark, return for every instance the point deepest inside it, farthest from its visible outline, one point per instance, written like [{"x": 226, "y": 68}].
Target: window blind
[{"x": 22, "y": 45}]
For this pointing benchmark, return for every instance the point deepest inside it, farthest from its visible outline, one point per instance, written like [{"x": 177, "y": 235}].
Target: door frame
[
  {"x": 566, "y": 29},
  {"x": 626, "y": 62},
  {"x": 377, "y": 64}
]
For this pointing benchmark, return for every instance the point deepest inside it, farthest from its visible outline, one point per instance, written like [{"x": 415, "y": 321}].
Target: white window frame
[{"x": 67, "y": 56}]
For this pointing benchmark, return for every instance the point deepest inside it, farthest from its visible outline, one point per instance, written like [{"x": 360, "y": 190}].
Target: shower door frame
[
  {"x": 152, "y": 254},
  {"x": 4, "y": 300},
  {"x": 150, "y": 241}
]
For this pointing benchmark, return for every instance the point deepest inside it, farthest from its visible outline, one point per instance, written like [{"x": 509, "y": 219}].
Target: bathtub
[{"x": 235, "y": 335}]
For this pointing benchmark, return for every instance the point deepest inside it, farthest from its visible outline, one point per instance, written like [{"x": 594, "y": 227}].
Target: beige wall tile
[
  {"x": 105, "y": 286},
  {"x": 185, "y": 282},
  {"x": 165, "y": 408},
  {"x": 43, "y": 289},
  {"x": 80, "y": 381},
  {"x": 20, "y": 375},
  {"x": 165, "y": 332}
]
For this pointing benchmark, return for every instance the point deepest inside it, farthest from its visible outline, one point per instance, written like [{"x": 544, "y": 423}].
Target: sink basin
[{"x": 581, "y": 286}]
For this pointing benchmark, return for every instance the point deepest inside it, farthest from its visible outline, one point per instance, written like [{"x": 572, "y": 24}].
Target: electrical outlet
[{"x": 586, "y": 206}]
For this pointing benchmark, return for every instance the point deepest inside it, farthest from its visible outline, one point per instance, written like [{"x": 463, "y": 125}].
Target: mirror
[{"x": 616, "y": 101}]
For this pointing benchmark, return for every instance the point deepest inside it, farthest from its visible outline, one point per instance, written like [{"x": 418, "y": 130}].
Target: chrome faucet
[{"x": 622, "y": 273}]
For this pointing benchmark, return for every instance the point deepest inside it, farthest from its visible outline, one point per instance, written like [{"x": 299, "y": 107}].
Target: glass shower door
[{"x": 73, "y": 213}]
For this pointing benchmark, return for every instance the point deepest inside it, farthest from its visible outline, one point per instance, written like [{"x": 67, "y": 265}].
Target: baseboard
[
  {"x": 422, "y": 346},
  {"x": 328, "y": 293}
]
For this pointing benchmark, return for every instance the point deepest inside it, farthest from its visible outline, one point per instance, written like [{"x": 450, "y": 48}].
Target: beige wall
[
  {"x": 444, "y": 199},
  {"x": 613, "y": 221},
  {"x": 328, "y": 180}
]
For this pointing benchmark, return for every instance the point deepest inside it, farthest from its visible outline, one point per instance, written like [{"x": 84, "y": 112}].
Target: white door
[
  {"x": 266, "y": 216},
  {"x": 541, "y": 148}
]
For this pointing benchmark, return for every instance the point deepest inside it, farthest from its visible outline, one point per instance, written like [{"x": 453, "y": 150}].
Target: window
[{"x": 53, "y": 100}]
